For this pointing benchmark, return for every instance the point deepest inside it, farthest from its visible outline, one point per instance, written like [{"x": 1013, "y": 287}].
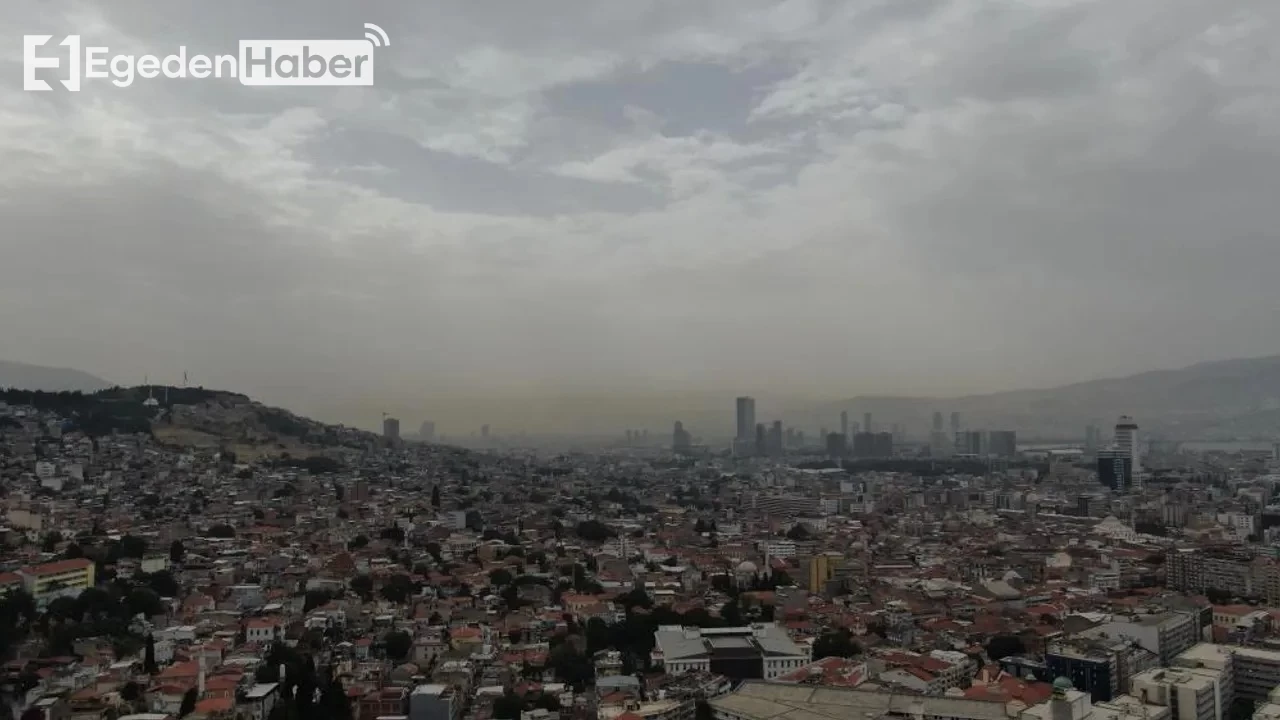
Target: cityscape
[
  {"x": 175, "y": 552},
  {"x": 646, "y": 360}
]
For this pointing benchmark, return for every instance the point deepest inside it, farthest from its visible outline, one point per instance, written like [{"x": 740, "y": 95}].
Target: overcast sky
[{"x": 588, "y": 199}]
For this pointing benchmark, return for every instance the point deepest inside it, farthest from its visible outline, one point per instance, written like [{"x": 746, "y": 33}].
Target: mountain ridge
[
  {"x": 1223, "y": 399},
  {"x": 25, "y": 376}
]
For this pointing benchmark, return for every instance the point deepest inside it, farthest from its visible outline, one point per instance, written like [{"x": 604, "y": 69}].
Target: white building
[
  {"x": 1126, "y": 440},
  {"x": 762, "y": 651}
]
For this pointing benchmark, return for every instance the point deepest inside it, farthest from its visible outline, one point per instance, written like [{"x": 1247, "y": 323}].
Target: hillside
[
  {"x": 1230, "y": 399},
  {"x": 193, "y": 417},
  {"x": 38, "y": 377}
]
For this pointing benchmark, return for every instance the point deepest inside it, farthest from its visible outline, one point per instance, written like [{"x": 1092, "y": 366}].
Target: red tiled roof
[
  {"x": 59, "y": 567},
  {"x": 214, "y": 705}
]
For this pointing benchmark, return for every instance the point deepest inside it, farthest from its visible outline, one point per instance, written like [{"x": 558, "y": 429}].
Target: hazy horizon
[{"x": 571, "y": 211}]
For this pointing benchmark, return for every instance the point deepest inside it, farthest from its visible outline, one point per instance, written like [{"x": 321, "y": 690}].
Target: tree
[
  {"x": 598, "y": 635},
  {"x": 132, "y": 546},
  {"x": 362, "y": 585},
  {"x": 221, "y": 531},
  {"x": 358, "y": 542},
  {"x": 398, "y": 588},
  {"x": 163, "y": 583},
  {"x": 507, "y": 707},
  {"x": 1002, "y": 646},
  {"x": 73, "y": 552},
  {"x": 51, "y": 541},
  {"x": 435, "y": 497},
  {"x": 835, "y": 644},
  {"x": 143, "y": 601},
  {"x": 398, "y": 643},
  {"x": 1218, "y": 597},
  {"x": 188, "y": 703},
  {"x": 130, "y": 692},
  {"x": 594, "y": 531},
  {"x": 314, "y": 599},
  {"x": 731, "y": 613},
  {"x": 798, "y": 532},
  {"x": 395, "y": 534},
  {"x": 177, "y": 551},
  {"x": 334, "y": 703},
  {"x": 149, "y": 662},
  {"x": 500, "y": 577}
]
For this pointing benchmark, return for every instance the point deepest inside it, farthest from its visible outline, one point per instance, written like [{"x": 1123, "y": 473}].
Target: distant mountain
[
  {"x": 37, "y": 377},
  {"x": 1230, "y": 399}
]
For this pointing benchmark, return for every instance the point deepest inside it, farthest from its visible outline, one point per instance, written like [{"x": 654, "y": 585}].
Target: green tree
[
  {"x": 435, "y": 497},
  {"x": 398, "y": 588},
  {"x": 188, "y": 703},
  {"x": 838, "y": 643},
  {"x": 177, "y": 551},
  {"x": 1002, "y": 646},
  {"x": 499, "y": 577},
  {"x": 398, "y": 644},
  {"x": 314, "y": 599},
  {"x": 362, "y": 585},
  {"x": 132, "y": 546},
  {"x": 507, "y": 707},
  {"x": 149, "y": 662}
]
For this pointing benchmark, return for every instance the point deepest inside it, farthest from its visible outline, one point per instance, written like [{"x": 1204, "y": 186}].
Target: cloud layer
[{"x": 576, "y": 198}]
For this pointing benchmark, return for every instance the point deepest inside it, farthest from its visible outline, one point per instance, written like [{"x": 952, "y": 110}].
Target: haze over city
[{"x": 575, "y": 212}]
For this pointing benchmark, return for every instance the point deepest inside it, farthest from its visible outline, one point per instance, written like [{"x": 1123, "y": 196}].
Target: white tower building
[{"x": 1126, "y": 441}]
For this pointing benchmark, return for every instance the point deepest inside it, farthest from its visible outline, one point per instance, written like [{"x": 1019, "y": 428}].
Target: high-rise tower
[
  {"x": 1126, "y": 439},
  {"x": 844, "y": 424},
  {"x": 746, "y": 419}
]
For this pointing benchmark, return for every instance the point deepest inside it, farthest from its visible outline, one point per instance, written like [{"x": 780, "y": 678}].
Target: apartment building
[
  {"x": 1189, "y": 693},
  {"x": 1232, "y": 569},
  {"x": 64, "y": 578},
  {"x": 1166, "y": 634}
]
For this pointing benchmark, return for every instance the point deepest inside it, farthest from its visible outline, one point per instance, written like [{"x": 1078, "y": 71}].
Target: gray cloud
[{"x": 642, "y": 200}]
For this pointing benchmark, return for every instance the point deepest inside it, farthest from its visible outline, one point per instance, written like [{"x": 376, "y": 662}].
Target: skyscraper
[
  {"x": 837, "y": 445},
  {"x": 760, "y": 438},
  {"x": 1126, "y": 439},
  {"x": 681, "y": 441},
  {"x": 1115, "y": 470},
  {"x": 866, "y": 423},
  {"x": 391, "y": 428},
  {"x": 955, "y": 423},
  {"x": 937, "y": 422},
  {"x": 775, "y": 438},
  {"x": 1002, "y": 443},
  {"x": 746, "y": 419},
  {"x": 428, "y": 431},
  {"x": 844, "y": 423}
]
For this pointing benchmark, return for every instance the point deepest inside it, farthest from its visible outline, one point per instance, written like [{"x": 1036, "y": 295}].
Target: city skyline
[{"x": 609, "y": 201}]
